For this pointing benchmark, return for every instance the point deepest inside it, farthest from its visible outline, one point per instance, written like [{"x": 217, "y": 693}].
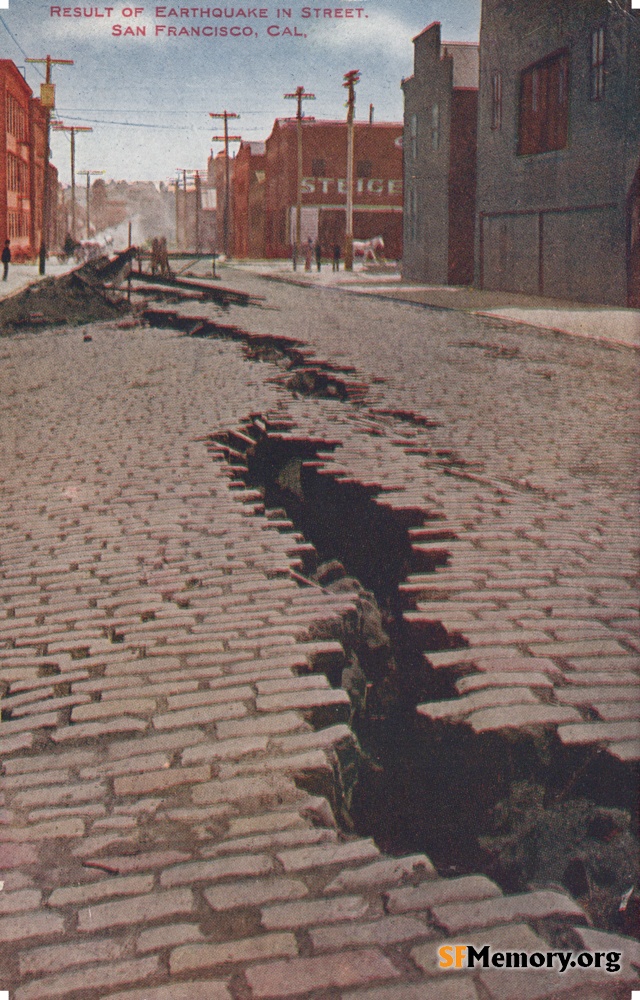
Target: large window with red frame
[{"x": 544, "y": 105}]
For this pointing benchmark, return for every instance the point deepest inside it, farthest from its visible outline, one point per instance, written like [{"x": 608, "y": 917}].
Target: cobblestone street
[{"x": 172, "y": 747}]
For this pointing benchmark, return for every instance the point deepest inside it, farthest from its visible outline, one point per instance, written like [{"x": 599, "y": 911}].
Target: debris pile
[{"x": 73, "y": 299}]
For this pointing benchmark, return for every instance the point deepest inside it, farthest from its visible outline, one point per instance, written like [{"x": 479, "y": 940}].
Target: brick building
[
  {"x": 558, "y": 150},
  {"x": 377, "y": 195},
  {"x": 440, "y": 132},
  {"x": 22, "y": 165},
  {"x": 249, "y": 196}
]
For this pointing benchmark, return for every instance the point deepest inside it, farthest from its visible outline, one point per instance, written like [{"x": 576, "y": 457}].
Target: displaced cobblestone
[{"x": 164, "y": 683}]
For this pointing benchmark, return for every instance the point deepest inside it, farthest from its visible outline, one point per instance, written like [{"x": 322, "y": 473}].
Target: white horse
[{"x": 367, "y": 249}]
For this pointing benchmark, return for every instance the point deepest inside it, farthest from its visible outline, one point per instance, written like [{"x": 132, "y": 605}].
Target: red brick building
[
  {"x": 377, "y": 194},
  {"x": 249, "y": 197},
  {"x": 22, "y": 165}
]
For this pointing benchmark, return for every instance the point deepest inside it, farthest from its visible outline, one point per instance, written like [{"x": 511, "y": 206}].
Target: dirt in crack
[{"x": 520, "y": 808}]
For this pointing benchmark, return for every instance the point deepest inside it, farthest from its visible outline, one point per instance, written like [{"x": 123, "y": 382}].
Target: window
[
  {"x": 435, "y": 126},
  {"x": 17, "y": 175},
  {"x": 544, "y": 106},
  {"x": 16, "y": 119},
  {"x": 496, "y": 101},
  {"x": 364, "y": 168},
  {"x": 414, "y": 137},
  {"x": 597, "y": 64},
  {"x": 17, "y": 224},
  {"x": 318, "y": 168}
]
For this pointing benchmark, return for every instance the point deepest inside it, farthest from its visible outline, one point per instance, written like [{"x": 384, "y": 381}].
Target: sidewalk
[
  {"x": 596, "y": 322},
  {"x": 21, "y": 275}
]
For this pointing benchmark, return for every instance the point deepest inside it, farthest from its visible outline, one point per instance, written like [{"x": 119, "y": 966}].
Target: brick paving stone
[
  {"x": 163, "y": 742},
  {"x": 625, "y": 750},
  {"x": 604, "y": 693},
  {"x": 53, "y": 958},
  {"x": 24, "y": 765},
  {"x": 461, "y": 989},
  {"x": 416, "y": 866},
  {"x": 226, "y": 749},
  {"x": 204, "y": 715},
  {"x": 30, "y": 925},
  {"x": 441, "y": 891},
  {"x": 210, "y": 989},
  {"x": 301, "y": 975},
  {"x": 281, "y": 722},
  {"x": 330, "y": 854},
  {"x": 232, "y": 895},
  {"x": 104, "y": 709},
  {"x": 14, "y": 902},
  {"x": 160, "y": 781},
  {"x": 521, "y": 984},
  {"x": 24, "y": 741},
  {"x": 151, "y": 762},
  {"x": 64, "y": 794},
  {"x": 521, "y": 717},
  {"x": 92, "y": 977},
  {"x": 97, "y": 891},
  {"x": 88, "y": 730},
  {"x": 478, "y": 682},
  {"x": 490, "y": 698},
  {"x": 594, "y": 940},
  {"x": 72, "y": 827},
  {"x": 139, "y": 909},
  {"x": 193, "y": 957},
  {"x": 585, "y": 733},
  {"x": 383, "y": 932},
  {"x": 168, "y": 936},
  {"x": 140, "y": 862},
  {"x": 319, "y": 911},
  {"x": 237, "y": 866},
  {"x": 456, "y": 917},
  {"x": 250, "y": 791},
  {"x": 512, "y": 937},
  {"x": 12, "y": 855}
]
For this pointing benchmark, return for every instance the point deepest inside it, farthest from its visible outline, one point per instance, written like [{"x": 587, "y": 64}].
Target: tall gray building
[
  {"x": 558, "y": 192},
  {"x": 439, "y": 140}
]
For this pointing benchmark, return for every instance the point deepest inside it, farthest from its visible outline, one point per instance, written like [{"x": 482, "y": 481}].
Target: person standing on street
[
  {"x": 318, "y": 251},
  {"x": 6, "y": 259},
  {"x": 336, "y": 257}
]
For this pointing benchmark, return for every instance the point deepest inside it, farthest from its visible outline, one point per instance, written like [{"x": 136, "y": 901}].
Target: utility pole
[
  {"x": 299, "y": 95},
  {"x": 177, "y": 184},
  {"x": 196, "y": 181},
  {"x": 47, "y": 100},
  {"x": 185, "y": 215},
  {"x": 61, "y": 127},
  {"x": 89, "y": 174},
  {"x": 226, "y": 138},
  {"x": 350, "y": 80}
]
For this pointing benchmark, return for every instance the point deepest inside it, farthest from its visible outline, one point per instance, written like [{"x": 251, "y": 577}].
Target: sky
[{"x": 147, "y": 95}]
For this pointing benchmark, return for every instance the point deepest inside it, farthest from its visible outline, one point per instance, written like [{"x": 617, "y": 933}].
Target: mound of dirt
[{"x": 73, "y": 299}]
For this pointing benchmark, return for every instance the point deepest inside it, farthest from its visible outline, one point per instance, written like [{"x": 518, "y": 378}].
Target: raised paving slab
[{"x": 165, "y": 845}]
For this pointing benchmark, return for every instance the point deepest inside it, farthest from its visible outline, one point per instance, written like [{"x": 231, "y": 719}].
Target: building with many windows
[
  {"x": 558, "y": 191},
  {"x": 440, "y": 123},
  {"x": 249, "y": 189},
  {"x": 377, "y": 187},
  {"x": 22, "y": 165}
]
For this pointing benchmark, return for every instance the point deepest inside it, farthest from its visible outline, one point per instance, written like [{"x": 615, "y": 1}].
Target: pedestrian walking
[
  {"x": 336, "y": 257},
  {"x": 318, "y": 250},
  {"x": 308, "y": 254},
  {"x": 6, "y": 259}
]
